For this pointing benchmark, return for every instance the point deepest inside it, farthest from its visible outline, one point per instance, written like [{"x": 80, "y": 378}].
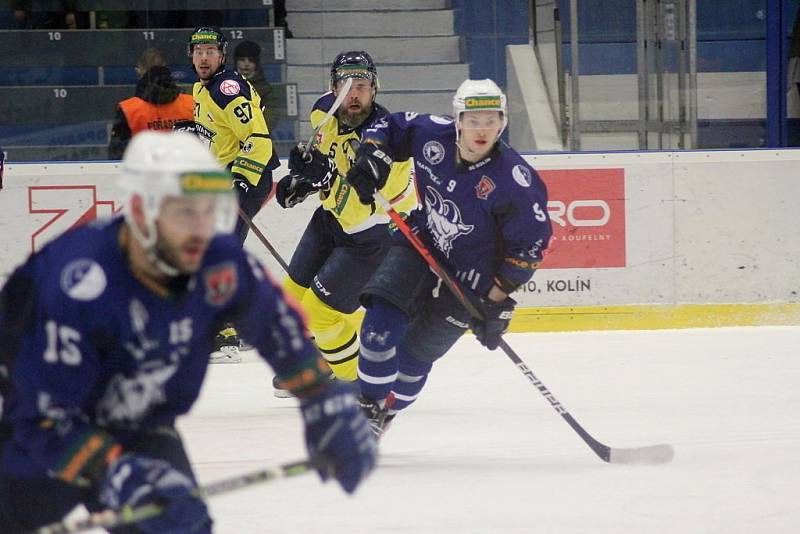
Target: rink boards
[{"x": 641, "y": 239}]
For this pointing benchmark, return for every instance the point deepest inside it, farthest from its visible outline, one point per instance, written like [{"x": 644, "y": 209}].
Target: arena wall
[{"x": 642, "y": 239}]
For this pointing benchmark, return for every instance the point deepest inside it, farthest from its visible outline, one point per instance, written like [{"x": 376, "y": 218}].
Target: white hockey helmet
[
  {"x": 479, "y": 95},
  {"x": 158, "y": 165}
]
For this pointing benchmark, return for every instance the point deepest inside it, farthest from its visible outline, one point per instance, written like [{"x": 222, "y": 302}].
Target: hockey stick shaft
[
  {"x": 127, "y": 515},
  {"x": 264, "y": 241},
  {"x": 653, "y": 454},
  {"x": 312, "y": 141}
]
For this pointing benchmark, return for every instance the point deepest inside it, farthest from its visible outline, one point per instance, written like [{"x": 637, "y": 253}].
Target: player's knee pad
[
  {"x": 335, "y": 336},
  {"x": 383, "y": 328}
]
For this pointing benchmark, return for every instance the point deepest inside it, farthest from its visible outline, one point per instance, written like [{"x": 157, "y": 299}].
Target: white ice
[{"x": 482, "y": 451}]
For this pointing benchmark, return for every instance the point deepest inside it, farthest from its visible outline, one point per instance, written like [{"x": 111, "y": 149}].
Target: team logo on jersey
[
  {"x": 522, "y": 175},
  {"x": 229, "y": 87},
  {"x": 247, "y": 147},
  {"x": 484, "y": 188},
  {"x": 444, "y": 220},
  {"x": 433, "y": 152},
  {"x": 204, "y": 132},
  {"x": 221, "y": 283},
  {"x": 139, "y": 319},
  {"x": 411, "y": 115},
  {"x": 128, "y": 399},
  {"x": 83, "y": 279},
  {"x": 440, "y": 119}
]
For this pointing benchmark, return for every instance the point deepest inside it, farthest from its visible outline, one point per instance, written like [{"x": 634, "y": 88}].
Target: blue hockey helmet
[{"x": 353, "y": 64}]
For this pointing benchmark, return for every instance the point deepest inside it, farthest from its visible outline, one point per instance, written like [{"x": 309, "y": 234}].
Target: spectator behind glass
[
  {"x": 151, "y": 57},
  {"x": 247, "y": 56},
  {"x": 65, "y": 19},
  {"x": 158, "y": 104}
]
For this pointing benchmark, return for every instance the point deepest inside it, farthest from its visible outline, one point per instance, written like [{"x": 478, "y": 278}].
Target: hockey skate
[
  {"x": 282, "y": 393},
  {"x": 378, "y": 418},
  {"x": 226, "y": 347}
]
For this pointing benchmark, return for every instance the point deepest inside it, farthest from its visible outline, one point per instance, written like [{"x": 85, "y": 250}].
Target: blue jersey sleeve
[
  {"x": 395, "y": 132},
  {"x": 524, "y": 224},
  {"x": 275, "y": 326}
]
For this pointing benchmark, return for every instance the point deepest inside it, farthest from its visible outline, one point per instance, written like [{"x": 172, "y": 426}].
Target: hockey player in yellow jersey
[
  {"x": 345, "y": 240},
  {"x": 229, "y": 117}
]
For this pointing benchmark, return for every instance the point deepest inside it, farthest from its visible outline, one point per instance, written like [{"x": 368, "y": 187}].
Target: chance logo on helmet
[{"x": 208, "y": 35}]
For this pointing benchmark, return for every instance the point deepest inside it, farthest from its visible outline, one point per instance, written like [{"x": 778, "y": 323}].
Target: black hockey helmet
[
  {"x": 208, "y": 35},
  {"x": 353, "y": 64}
]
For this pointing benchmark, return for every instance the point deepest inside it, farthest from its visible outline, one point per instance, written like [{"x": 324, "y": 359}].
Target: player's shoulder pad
[
  {"x": 76, "y": 264},
  {"x": 435, "y": 125},
  {"x": 324, "y": 102},
  {"x": 379, "y": 110},
  {"x": 227, "y": 86},
  {"x": 522, "y": 173}
]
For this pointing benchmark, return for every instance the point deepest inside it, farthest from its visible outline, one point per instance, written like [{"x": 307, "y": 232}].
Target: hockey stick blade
[{"x": 650, "y": 455}]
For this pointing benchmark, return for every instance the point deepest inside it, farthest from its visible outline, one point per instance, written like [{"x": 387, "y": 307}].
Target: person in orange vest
[{"x": 158, "y": 104}]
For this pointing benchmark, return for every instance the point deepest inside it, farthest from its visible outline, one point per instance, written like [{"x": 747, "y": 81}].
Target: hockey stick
[
  {"x": 653, "y": 454},
  {"x": 261, "y": 237},
  {"x": 312, "y": 141},
  {"x": 127, "y": 515}
]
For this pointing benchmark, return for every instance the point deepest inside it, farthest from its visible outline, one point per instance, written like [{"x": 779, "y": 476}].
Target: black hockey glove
[
  {"x": 242, "y": 187},
  {"x": 370, "y": 171},
  {"x": 293, "y": 189},
  {"x": 317, "y": 168},
  {"x": 496, "y": 316}
]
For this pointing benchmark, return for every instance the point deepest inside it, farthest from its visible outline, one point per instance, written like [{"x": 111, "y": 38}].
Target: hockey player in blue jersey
[
  {"x": 104, "y": 342},
  {"x": 483, "y": 214}
]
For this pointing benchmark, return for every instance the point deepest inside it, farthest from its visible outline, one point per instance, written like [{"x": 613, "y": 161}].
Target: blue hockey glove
[
  {"x": 293, "y": 189},
  {"x": 135, "y": 480},
  {"x": 317, "y": 168},
  {"x": 496, "y": 316},
  {"x": 370, "y": 171},
  {"x": 338, "y": 436}
]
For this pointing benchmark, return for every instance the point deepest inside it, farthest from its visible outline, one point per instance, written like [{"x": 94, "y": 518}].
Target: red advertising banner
[{"x": 587, "y": 210}]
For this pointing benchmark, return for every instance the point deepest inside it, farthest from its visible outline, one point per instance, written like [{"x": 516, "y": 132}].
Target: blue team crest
[
  {"x": 221, "y": 282},
  {"x": 83, "y": 279},
  {"x": 440, "y": 119},
  {"x": 444, "y": 220},
  {"x": 522, "y": 175},
  {"x": 433, "y": 152}
]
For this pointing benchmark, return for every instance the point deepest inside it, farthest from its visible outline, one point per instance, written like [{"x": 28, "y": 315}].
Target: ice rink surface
[{"x": 482, "y": 451}]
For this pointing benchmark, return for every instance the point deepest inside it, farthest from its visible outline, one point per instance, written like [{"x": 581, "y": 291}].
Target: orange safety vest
[{"x": 144, "y": 115}]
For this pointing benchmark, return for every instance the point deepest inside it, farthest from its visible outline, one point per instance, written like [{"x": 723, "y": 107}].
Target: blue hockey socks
[{"x": 411, "y": 377}]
